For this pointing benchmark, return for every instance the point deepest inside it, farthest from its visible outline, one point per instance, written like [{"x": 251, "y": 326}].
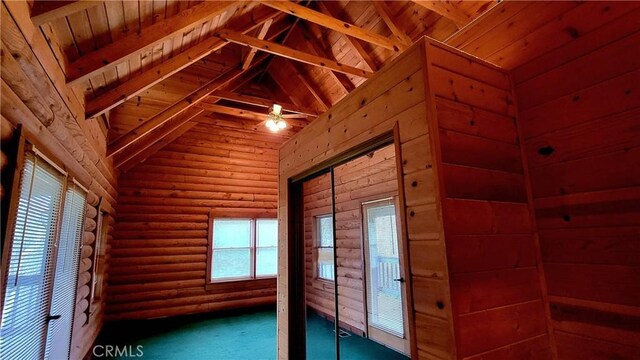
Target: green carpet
[{"x": 250, "y": 334}]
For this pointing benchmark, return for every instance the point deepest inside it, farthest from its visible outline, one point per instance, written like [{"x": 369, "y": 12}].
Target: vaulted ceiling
[{"x": 150, "y": 70}]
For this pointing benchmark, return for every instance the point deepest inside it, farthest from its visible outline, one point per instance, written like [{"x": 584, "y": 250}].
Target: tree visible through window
[{"x": 243, "y": 248}]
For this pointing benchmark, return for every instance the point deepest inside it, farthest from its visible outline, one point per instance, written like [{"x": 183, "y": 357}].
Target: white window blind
[
  {"x": 25, "y": 311},
  {"x": 324, "y": 246},
  {"x": 66, "y": 275}
]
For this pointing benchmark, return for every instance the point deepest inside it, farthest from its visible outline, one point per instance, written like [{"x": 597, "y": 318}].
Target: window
[
  {"x": 243, "y": 248},
  {"x": 42, "y": 265},
  {"x": 324, "y": 247}
]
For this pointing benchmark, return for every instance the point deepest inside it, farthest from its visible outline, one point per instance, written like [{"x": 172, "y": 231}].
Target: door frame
[{"x": 294, "y": 292}]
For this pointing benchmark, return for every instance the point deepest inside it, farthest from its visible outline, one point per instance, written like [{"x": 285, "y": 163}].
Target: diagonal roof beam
[
  {"x": 369, "y": 63},
  {"x": 253, "y": 51},
  {"x": 163, "y": 135},
  {"x": 44, "y": 12},
  {"x": 341, "y": 79},
  {"x": 334, "y": 24},
  {"x": 106, "y": 58},
  {"x": 290, "y": 53},
  {"x": 261, "y": 102},
  {"x": 134, "y": 136},
  {"x": 383, "y": 10},
  {"x": 156, "y": 74}
]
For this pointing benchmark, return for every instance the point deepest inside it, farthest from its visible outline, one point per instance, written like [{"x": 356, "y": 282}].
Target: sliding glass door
[
  {"x": 42, "y": 264},
  {"x": 385, "y": 305}
]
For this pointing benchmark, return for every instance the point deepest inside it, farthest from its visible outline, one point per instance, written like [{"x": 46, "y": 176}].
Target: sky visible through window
[{"x": 232, "y": 245}]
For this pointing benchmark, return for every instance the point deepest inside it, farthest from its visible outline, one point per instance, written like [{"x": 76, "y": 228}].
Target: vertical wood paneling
[
  {"x": 496, "y": 295},
  {"x": 582, "y": 143}
]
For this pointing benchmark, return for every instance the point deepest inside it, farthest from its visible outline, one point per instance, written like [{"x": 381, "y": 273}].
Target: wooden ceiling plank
[
  {"x": 297, "y": 119},
  {"x": 108, "y": 57},
  {"x": 341, "y": 79},
  {"x": 163, "y": 136},
  {"x": 156, "y": 74},
  {"x": 48, "y": 11},
  {"x": 132, "y": 137},
  {"x": 253, "y": 51},
  {"x": 157, "y": 146},
  {"x": 284, "y": 42},
  {"x": 354, "y": 43},
  {"x": 389, "y": 19},
  {"x": 306, "y": 82},
  {"x": 261, "y": 102},
  {"x": 135, "y": 135},
  {"x": 290, "y": 53},
  {"x": 334, "y": 24},
  {"x": 447, "y": 9}
]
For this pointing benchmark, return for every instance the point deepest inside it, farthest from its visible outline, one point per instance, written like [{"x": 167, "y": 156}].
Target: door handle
[
  {"x": 53, "y": 317},
  {"x": 401, "y": 280}
]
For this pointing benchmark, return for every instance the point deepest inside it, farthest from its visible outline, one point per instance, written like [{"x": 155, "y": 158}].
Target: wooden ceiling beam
[
  {"x": 108, "y": 57},
  {"x": 383, "y": 10},
  {"x": 306, "y": 82},
  {"x": 341, "y": 79},
  {"x": 44, "y": 12},
  {"x": 156, "y": 74},
  {"x": 284, "y": 41},
  {"x": 161, "y": 137},
  {"x": 253, "y": 51},
  {"x": 134, "y": 136},
  {"x": 298, "y": 120},
  {"x": 261, "y": 102},
  {"x": 369, "y": 63},
  {"x": 290, "y": 53},
  {"x": 447, "y": 9},
  {"x": 334, "y": 24},
  {"x": 143, "y": 130}
]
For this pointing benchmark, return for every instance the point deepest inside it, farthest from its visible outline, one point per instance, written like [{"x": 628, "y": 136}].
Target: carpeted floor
[{"x": 235, "y": 335}]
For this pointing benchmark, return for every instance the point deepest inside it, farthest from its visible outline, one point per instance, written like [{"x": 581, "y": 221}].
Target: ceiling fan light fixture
[{"x": 274, "y": 119}]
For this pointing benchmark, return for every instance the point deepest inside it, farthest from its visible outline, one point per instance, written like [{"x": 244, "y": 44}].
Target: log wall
[
  {"x": 496, "y": 292},
  {"x": 159, "y": 254},
  {"x": 363, "y": 179},
  {"x": 579, "y": 114},
  {"x": 34, "y": 94}
]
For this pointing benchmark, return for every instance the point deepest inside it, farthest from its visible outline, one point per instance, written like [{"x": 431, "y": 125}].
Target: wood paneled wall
[
  {"x": 495, "y": 280},
  {"x": 363, "y": 179},
  {"x": 392, "y": 99},
  {"x": 580, "y": 118},
  {"x": 159, "y": 255}
]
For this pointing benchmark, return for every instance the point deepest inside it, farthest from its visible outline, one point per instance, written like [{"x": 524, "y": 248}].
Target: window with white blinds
[{"x": 40, "y": 233}]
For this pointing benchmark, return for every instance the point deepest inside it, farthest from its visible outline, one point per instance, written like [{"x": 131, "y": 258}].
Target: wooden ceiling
[{"x": 148, "y": 69}]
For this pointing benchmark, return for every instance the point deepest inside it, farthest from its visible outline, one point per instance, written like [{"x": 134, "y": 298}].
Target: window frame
[
  {"x": 209, "y": 280},
  {"x": 317, "y": 245}
]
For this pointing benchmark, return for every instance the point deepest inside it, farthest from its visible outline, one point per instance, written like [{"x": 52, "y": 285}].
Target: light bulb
[
  {"x": 282, "y": 124},
  {"x": 271, "y": 124}
]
